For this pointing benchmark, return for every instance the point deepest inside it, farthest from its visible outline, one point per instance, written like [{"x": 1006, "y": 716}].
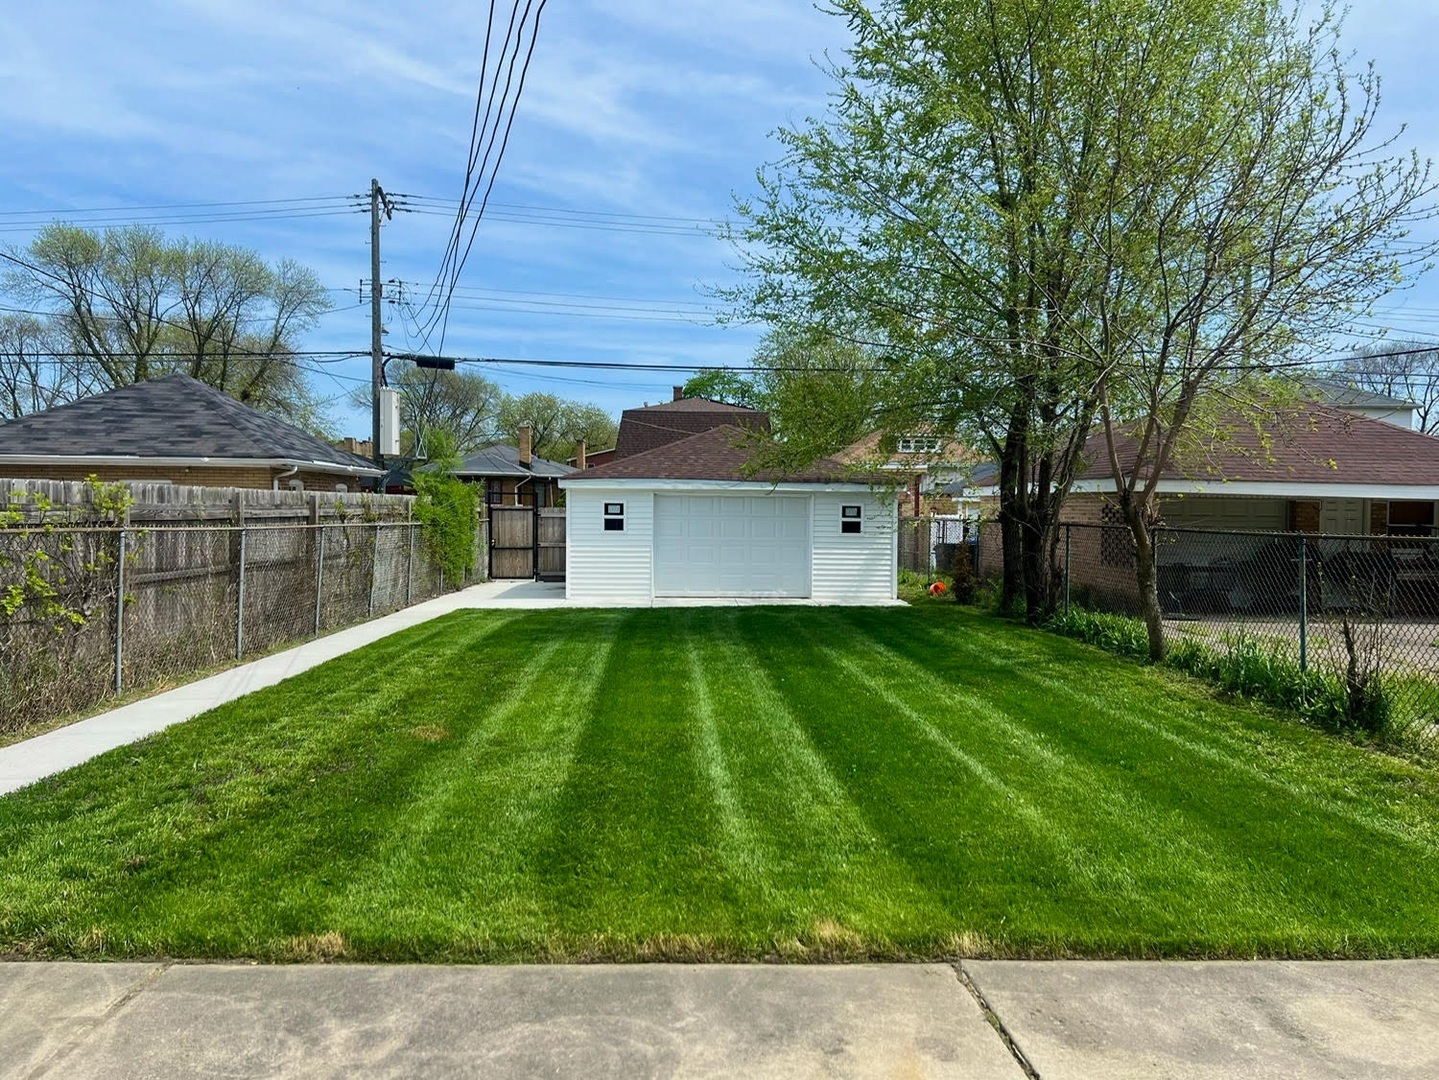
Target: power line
[
  {"x": 453, "y": 262},
  {"x": 570, "y": 211},
  {"x": 171, "y": 206},
  {"x": 486, "y": 290}
]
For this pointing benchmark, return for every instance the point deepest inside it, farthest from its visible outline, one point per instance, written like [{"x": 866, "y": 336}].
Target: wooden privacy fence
[
  {"x": 110, "y": 610},
  {"x": 527, "y": 542},
  {"x": 152, "y": 502}
]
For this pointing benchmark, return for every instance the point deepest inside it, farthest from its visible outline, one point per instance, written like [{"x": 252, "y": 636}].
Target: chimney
[
  {"x": 580, "y": 454},
  {"x": 527, "y": 436},
  {"x": 679, "y": 393}
]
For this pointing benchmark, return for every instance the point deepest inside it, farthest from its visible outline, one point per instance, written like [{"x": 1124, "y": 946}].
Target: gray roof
[
  {"x": 983, "y": 475},
  {"x": 1329, "y": 392},
  {"x": 170, "y": 417},
  {"x": 502, "y": 460}
]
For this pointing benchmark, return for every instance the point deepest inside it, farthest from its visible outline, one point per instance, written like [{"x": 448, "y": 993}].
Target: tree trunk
[
  {"x": 1011, "y": 587},
  {"x": 1038, "y": 574},
  {"x": 1147, "y": 577},
  {"x": 1012, "y": 520}
]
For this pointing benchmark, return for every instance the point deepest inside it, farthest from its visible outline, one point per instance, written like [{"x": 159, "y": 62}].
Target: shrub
[
  {"x": 446, "y": 506},
  {"x": 963, "y": 582},
  {"x": 1118, "y": 634}
]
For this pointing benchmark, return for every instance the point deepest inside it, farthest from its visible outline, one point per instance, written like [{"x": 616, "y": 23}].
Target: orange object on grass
[{"x": 937, "y": 589}]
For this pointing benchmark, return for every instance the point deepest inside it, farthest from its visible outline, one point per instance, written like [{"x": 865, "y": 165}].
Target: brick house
[
  {"x": 513, "y": 475},
  {"x": 653, "y": 426},
  {"x": 1312, "y": 468},
  {"x": 931, "y": 467},
  {"x": 175, "y": 430}
]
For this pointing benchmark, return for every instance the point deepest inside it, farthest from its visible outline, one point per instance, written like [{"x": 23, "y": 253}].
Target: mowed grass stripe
[
  {"x": 501, "y": 778},
  {"x": 1226, "y": 739},
  {"x": 1291, "y": 851},
  {"x": 725, "y": 784},
  {"x": 815, "y": 865},
  {"x": 1135, "y": 849},
  {"x": 957, "y": 838},
  {"x": 246, "y": 815},
  {"x": 632, "y": 844}
]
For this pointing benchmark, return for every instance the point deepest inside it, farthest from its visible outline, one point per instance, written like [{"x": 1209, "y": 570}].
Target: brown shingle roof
[
  {"x": 1305, "y": 443},
  {"x": 655, "y": 425},
  {"x": 718, "y": 454}
]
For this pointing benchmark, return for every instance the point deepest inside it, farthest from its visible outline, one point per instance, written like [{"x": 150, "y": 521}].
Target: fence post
[
  {"x": 410, "y": 569},
  {"x": 240, "y": 601},
  {"x": 1067, "y": 530},
  {"x": 319, "y": 575},
  {"x": 120, "y": 615},
  {"x": 1303, "y": 605},
  {"x": 374, "y": 568}
]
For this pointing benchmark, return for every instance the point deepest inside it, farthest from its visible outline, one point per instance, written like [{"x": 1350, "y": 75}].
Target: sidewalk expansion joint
[
  {"x": 994, "y": 1021},
  {"x": 131, "y": 993}
]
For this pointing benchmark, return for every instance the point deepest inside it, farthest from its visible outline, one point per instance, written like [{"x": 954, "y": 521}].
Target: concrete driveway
[{"x": 979, "y": 1019}]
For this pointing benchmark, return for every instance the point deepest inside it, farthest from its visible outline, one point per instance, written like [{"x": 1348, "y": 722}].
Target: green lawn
[{"x": 726, "y": 784}]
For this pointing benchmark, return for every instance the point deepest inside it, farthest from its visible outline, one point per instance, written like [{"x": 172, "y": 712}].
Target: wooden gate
[
  {"x": 550, "y": 543},
  {"x": 527, "y": 542}
]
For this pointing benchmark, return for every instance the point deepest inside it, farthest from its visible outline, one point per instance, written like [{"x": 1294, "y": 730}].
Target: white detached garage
[{"x": 684, "y": 522}]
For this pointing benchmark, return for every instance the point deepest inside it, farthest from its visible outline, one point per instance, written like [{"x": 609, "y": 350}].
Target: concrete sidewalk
[
  {"x": 34, "y": 759},
  {"x": 991, "y": 1019}
]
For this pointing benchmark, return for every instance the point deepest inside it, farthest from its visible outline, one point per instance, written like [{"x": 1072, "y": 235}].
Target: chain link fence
[
  {"x": 90, "y": 613},
  {"x": 930, "y": 545},
  {"x": 1350, "y": 622}
]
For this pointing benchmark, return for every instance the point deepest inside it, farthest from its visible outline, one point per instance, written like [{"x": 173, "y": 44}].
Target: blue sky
[{"x": 642, "y": 114}]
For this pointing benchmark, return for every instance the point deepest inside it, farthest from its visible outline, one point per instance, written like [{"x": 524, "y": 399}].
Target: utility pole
[{"x": 378, "y": 201}]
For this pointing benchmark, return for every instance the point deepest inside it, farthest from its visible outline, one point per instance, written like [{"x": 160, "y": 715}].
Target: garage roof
[{"x": 721, "y": 453}]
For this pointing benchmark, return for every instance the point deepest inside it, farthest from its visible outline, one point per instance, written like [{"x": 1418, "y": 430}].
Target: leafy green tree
[
  {"x": 723, "y": 384},
  {"x": 1040, "y": 215},
  {"x": 1258, "y": 210},
  {"x": 557, "y": 424},
  {"x": 939, "y": 217},
  {"x": 821, "y": 394}
]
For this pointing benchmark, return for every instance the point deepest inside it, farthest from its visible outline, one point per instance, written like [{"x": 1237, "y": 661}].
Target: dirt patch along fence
[{"x": 97, "y": 612}]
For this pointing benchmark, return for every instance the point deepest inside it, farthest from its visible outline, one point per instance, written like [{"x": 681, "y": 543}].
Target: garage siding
[
  {"x": 608, "y": 567},
  {"x": 854, "y": 568}
]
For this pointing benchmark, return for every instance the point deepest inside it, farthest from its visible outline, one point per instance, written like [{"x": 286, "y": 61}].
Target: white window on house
[
  {"x": 851, "y": 519},
  {"x": 614, "y": 517},
  {"x": 920, "y": 444}
]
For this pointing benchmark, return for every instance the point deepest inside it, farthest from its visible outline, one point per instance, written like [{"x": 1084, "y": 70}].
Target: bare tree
[
  {"x": 127, "y": 304},
  {"x": 34, "y": 372},
  {"x": 1408, "y": 370}
]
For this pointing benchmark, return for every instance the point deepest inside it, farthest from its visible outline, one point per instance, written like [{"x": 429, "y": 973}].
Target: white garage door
[{"x": 728, "y": 545}]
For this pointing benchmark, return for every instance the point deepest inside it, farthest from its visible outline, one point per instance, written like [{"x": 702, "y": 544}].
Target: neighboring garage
[{"x": 685, "y": 520}]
